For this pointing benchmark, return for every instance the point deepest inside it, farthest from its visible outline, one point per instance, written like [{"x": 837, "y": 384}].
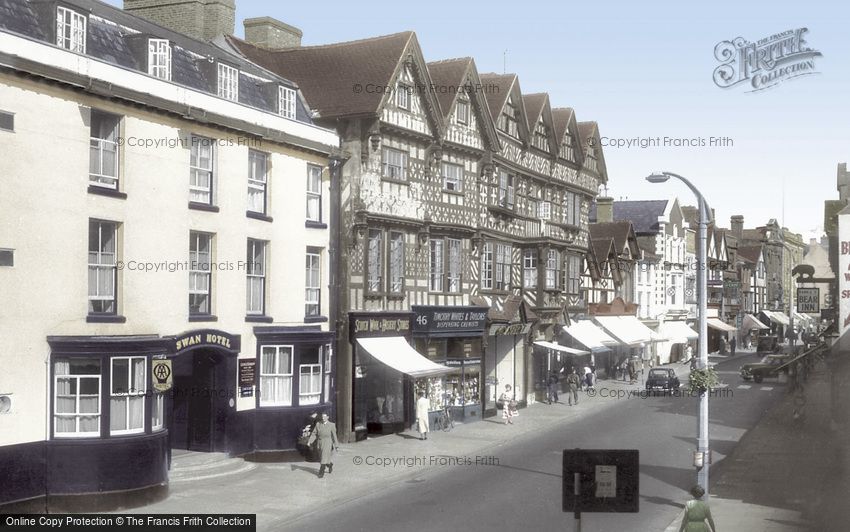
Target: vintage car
[
  {"x": 767, "y": 367},
  {"x": 662, "y": 379}
]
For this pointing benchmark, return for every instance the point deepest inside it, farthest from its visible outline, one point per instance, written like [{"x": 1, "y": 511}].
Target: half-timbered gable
[{"x": 566, "y": 131}]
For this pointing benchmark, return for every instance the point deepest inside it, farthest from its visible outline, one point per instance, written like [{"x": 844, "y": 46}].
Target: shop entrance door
[{"x": 200, "y": 401}]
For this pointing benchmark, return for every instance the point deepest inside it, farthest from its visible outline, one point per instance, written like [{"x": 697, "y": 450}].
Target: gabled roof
[
  {"x": 564, "y": 120},
  {"x": 329, "y": 74},
  {"x": 646, "y": 244},
  {"x": 643, "y": 214},
  {"x": 588, "y": 133},
  {"x": 496, "y": 98},
  {"x": 621, "y": 232},
  {"x": 750, "y": 253},
  {"x": 534, "y": 104}
]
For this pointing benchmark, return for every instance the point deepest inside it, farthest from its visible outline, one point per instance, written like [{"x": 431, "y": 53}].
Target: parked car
[
  {"x": 767, "y": 367},
  {"x": 662, "y": 379}
]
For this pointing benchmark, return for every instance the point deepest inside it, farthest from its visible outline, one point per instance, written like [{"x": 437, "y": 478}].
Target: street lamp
[{"x": 702, "y": 304}]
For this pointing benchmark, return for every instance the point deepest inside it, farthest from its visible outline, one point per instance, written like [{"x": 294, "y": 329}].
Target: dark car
[
  {"x": 767, "y": 367},
  {"x": 662, "y": 379}
]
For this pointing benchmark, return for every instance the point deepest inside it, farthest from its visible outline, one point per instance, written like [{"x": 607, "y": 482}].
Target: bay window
[
  {"x": 276, "y": 375},
  {"x": 310, "y": 376},
  {"x": 76, "y": 389},
  {"x": 128, "y": 380}
]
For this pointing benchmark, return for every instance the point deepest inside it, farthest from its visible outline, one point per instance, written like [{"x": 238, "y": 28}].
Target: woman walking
[
  {"x": 508, "y": 405},
  {"x": 697, "y": 516},
  {"x": 325, "y": 434}
]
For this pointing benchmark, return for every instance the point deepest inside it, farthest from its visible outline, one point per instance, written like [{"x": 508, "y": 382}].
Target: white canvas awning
[
  {"x": 751, "y": 322},
  {"x": 395, "y": 352},
  {"x": 561, "y": 348},
  {"x": 678, "y": 332},
  {"x": 627, "y": 331},
  {"x": 777, "y": 317},
  {"x": 715, "y": 323},
  {"x": 591, "y": 336}
]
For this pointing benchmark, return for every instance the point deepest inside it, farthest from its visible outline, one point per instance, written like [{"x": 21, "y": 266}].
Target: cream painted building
[{"x": 161, "y": 201}]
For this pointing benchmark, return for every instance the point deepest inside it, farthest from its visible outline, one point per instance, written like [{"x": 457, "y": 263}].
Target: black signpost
[{"x": 600, "y": 480}]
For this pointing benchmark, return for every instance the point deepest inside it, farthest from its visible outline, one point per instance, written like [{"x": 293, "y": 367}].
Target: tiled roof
[
  {"x": 642, "y": 213},
  {"x": 534, "y": 104},
  {"x": 602, "y": 246},
  {"x": 618, "y": 231},
  {"x": 496, "y": 98},
  {"x": 561, "y": 117},
  {"x": 17, "y": 16},
  {"x": 448, "y": 73},
  {"x": 750, "y": 253},
  {"x": 334, "y": 77},
  {"x": 647, "y": 246}
]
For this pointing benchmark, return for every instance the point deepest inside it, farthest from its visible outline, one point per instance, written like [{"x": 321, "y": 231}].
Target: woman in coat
[
  {"x": 508, "y": 405},
  {"x": 325, "y": 434},
  {"x": 422, "y": 407},
  {"x": 697, "y": 516}
]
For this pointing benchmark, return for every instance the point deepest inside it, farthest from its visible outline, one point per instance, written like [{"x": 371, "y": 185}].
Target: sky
[{"x": 645, "y": 70}]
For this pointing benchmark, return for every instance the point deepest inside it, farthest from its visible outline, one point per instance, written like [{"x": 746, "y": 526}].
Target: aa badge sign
[{"x": 162, "y": 377}]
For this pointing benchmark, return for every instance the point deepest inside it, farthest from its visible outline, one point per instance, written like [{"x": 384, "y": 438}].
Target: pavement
[{"x": 789, "y": 472}]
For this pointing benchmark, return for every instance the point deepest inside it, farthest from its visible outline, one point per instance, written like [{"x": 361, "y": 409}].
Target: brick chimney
[
  {"x": 201, "y": 19},
  {"x": 267, "y": 32},
  {"x": 737, "y": 224},
  {"x": 604, "y": 209}
]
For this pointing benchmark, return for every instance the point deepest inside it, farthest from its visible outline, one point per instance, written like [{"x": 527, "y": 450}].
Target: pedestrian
[
  {"x": 422, "y": 407},
  {"x": 508, "y": 405},
  {"x": 697, "y": 513},
  {"x": 325, "y": 434},
  {"x": 573, "y": 384},
  {"x": 587, "y": 381},
  {"x": 591, "y": 378},
  {"x": 732, "y": 344},
  {"x": 552, "y": 388},
  {"x": 689, "y": 353}
]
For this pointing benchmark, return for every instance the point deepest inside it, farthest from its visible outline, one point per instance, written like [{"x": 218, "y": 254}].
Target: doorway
[{"x": 203, "y": 389}]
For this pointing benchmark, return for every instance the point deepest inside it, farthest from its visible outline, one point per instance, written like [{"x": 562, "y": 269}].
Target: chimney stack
[
  {"x": 201, "y": 19},
  {"x": 604, "y": 209},
  {"x": 737, "y": 222},
  {"x": 272, "y": 34}
]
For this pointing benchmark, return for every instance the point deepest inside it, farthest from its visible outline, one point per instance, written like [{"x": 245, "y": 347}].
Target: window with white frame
[
  {"x": 573, "y": 273},
  {"x": 327, "y": 362},
  {"x": 103, "y": 149},
  {"x": 228, "y": 82},
  {"x": 553, "y": 269},
  {"x": 503, "y": 267},
  {"x": 545, "y": 210},
  {"x": 572, "y": 208},
  {"x": 509, "y": 119},
  {"x": 70, "y": 30},
  {"x": 200, "y": 273},
  {"x": 314, "y": 193},
  {"x": 462, "y": 112},
  {"x": 310, "y": 376},
  {"x": 566, "y": 151},
  {"x": 453, "y": 265},
  {"x": 103, "y": 273},
  {"x": 394, "y": 164},
  {"x": 540, "y": 139},
  {"x": 286, "y": 102},
  {"x": 402, "y": 95},
  {"x": 76, "y": 389},
  {"x": 258, "y": 170},
  {"x": 529, "y": 268},
  {"x": 396, "y": 262},
  {"x": 128, "y": 380},
  {"x": 276, "y": 375},
  {"x": 313, "y": 284},
  {"x": 506, "y": 189},
  {"x": 487, "y": 266},
  {"x": 159, "y": 58},
  {"x": 436, "y": 265},
  {"x": 256, "y": 277},
  {"x": 452, "y": 177},
  {"x": 374, "y": 262},
  {"x": 201, "y": 169}
]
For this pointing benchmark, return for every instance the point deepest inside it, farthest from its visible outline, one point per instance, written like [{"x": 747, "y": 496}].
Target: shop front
[
  {"x": 634, "y": 337},
  {"x": 718, "y": 334},
  {"x": 453, "y": 337},
  {"x": 504, "y": 363},
  {"x": 554, "y": 359},
  {"x": 679, "y": 335},
  {"x": 386, "y": 370}
]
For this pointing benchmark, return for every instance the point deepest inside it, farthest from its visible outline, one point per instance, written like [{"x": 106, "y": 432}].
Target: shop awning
[
  {"x": 715, "y": 323},
  {"x": 589, "y": 335},
  {"x": 804, "y": 320},
  {"x": 395, "y": 352},
  {"x": 751, "y": 322},
  {"x": 561, "y": 348},
  {"x": 629, "y": 332},
  {"x": 678, "y": 332},
  {"x": 777, "y": 317}
]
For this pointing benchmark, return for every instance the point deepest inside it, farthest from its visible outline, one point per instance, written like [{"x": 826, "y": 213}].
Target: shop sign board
[
  {"x": 247, "y": 376},
  {"x": 445, "y": 319},
  {"x": 808, "y": 300},
  {"x": 363, "y": 324}
]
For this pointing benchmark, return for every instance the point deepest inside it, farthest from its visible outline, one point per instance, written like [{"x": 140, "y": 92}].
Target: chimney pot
[
  {"x": 270, "y": 33},
  {"x": 604, "y": 209}
]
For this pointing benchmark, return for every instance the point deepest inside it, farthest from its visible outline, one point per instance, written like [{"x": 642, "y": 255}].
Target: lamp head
[{"x": 657, "y": 177}]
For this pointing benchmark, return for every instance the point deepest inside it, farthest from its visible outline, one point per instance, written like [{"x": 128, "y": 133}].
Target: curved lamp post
[{"x": 701, "y": 457}]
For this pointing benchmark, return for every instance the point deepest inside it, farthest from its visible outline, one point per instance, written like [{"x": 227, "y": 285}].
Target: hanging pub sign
[
  {"x": 247, "y": 376},
  {"x": 808, "y": 300},
  {"x": 444, "y": 319},
  {"x": 162, "y": 376}
]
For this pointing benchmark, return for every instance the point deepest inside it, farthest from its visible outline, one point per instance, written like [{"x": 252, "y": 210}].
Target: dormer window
[
  {"x": 286, "y": 102},
  {"x": 540, "y": 140},
  {"x": 590, "y": 160},
  {"x": 159, "y": 58},
  {"x": 228, "y": 82},
  {"x": 462, "y": 112},
  {"x": 566, "y": 151},
  {"x": 70, "y": 30},
  {"x": 508, "y": 119},
  {"x": 402, "y": 96}
]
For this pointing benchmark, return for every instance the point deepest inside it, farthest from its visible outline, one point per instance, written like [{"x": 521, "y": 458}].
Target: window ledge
[
  {"x": 396, "y": 296},
  {"x": 396, "y": 181},
  {"x": 108, "y": 192},
  {"x": 312, "y": 224},
  {"x": 105, "y": 318},
  {"x": 258, "y": 216},
  {"x": 374, "y": 295},
  {"x": 202, "y": 317},
  {"x": 258, "y": 318},
  {"x": 453, "y": 192},
  {"x": 202, "y": 206},
  {"x": 496, "y": 292},
  {"x": 315, "y": 319}
]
